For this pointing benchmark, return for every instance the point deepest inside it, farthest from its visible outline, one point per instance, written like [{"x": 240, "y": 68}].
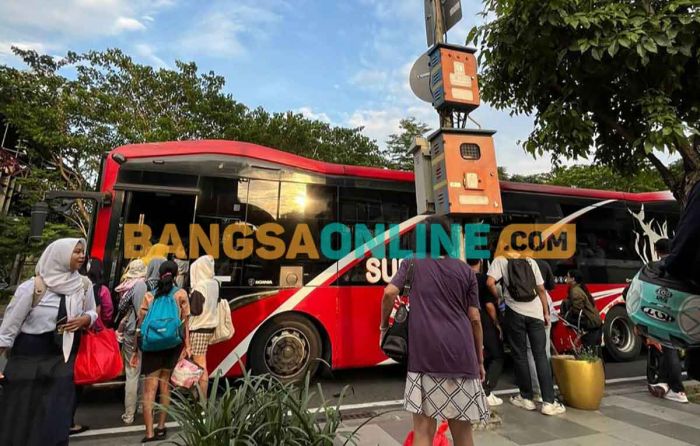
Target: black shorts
[{"x": 161, "y": 360}]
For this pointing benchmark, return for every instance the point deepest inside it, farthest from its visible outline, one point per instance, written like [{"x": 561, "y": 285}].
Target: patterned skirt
[
  {"x": 199, "y": 341},
  {"x": 445, "y": 398}
]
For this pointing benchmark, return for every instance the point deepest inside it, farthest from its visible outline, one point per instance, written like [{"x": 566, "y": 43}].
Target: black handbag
[{"x": 395, "y": 342}]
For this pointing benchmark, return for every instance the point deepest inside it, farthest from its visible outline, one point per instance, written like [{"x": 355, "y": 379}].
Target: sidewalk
[{"x": 629, "y": 415}]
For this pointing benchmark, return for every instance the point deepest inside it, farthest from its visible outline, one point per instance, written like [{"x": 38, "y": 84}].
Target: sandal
[
  {"x": 149, "y": 439},
  {"x": 160, "y": 433}
]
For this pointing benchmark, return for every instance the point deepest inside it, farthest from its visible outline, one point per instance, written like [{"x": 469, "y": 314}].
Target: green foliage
[
  {"x": 399, "y": 144},
  {"x": 108, "y": 100},
  {"x": 606, "y": 80},
  {"x": 646, "y": 179},
  {"x": 256, "y": 410},
  {"x": 15, "y": 231}
]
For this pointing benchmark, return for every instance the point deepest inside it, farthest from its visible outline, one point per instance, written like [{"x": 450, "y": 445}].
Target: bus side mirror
[{"x": 40, "y": 211}]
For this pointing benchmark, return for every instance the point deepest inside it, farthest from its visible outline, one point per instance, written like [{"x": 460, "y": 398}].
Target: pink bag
[
  {"x": 186, "y": 374},
  {"x": 439, "y": 440}
]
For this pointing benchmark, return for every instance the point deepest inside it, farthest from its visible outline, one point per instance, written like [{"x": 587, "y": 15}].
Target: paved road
[{"x": 101, "y": 408}]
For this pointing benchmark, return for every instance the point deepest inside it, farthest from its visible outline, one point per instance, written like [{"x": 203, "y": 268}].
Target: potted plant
[{"x": 581, "y": 378}]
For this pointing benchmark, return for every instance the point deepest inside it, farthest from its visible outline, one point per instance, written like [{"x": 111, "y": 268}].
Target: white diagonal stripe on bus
[
  {"x": 598, "y": 295},
  {"x": 555, "y": 227},
  {"x": 296, "y": 298}
]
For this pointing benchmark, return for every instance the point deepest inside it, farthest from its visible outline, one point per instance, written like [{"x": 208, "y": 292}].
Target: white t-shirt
[{"x": 499, "y": 270}]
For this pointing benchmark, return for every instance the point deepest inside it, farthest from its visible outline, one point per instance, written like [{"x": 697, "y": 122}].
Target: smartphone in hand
[{"x": 60, "y": 324}]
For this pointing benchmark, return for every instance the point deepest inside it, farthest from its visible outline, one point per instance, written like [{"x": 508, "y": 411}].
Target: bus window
[
  {"x": 222, "y": 202},
  {"x": 303, "y": 206},
  {"x": 262, "y": 207}
]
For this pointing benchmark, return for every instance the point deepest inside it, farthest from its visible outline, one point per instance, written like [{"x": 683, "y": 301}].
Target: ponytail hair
[
  {"x": 166, "y": 278},
  {"x": 578, "y": 278}
]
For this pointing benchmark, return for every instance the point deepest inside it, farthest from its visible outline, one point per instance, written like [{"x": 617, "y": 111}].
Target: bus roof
[{"x": 257, "y": 152}]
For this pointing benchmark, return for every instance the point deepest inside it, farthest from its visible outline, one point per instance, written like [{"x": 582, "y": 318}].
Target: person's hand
[
  {"x": 186, "y": 352},
  {"x": 134, "y": 360},
  {"x": 77, "y": 323},
  {"x": 547, "y": 320},
  {"x": 482, "y": 372},
  {"x": 500, "y": 332}
]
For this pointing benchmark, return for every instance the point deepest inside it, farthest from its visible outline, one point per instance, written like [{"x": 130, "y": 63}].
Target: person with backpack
[
  {"x": 445, "y": 349},
  {"x": 526, "y": 319},
  {"x": 164, "y": 339},
  {"x": 579, "y": 309},
  {"x": 131, "y": 291},
  {"x": 549, "y": 284},
  {"x": 204, "y": 301},
  {"x": 41, "y": 331},
  {"x": 103, "y": 298}
]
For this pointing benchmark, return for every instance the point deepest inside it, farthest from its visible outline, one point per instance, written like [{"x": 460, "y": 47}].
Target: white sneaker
[
  {"x": 678, "y": 397},
  {"x": 555, "y": 408},
  {"x": 519, "y": 401},
  {"x": 127, "y": 419},
  {"x": 493, "y": 400},
  {"x": 659, "y": 390}
]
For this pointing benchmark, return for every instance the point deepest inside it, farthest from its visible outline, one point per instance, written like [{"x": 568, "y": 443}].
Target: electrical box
[
  {"x": 453, "y": 80},
  {"x": 425, "y": 202},
  {"x": 464, "y": 172}
]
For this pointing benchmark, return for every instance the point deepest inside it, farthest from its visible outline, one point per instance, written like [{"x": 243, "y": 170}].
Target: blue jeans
[{"x": 522, "y": 329}]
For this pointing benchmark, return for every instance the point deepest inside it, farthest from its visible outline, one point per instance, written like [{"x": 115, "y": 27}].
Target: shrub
[{"x": 257, "y": 410}]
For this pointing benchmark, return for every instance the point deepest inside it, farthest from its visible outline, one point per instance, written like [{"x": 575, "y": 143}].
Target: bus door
[{"x": 154, "y": 208}]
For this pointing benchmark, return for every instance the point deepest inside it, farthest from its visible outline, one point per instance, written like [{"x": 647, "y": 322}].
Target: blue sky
[{"x": 345, "y": 62}]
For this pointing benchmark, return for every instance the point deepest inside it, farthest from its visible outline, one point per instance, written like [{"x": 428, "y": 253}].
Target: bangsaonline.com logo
[{"x": 269, "y": 241}]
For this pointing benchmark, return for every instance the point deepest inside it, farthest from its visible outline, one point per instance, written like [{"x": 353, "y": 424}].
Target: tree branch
[
  {"x": 666, "y": 174},
  {"x": 688, "y": 151}
]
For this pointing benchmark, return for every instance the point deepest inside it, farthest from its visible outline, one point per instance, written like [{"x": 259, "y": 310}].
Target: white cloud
[
  {"x": 75, "y": 18},
  {"x": 369, "y": 78},
  {"x": 6, "y": 47},
  {"x": 308, "y": 112},
  {"x": 225, "y": 32},
  {"x": 149, "y": 54},
  {"x": 128, "y": 24}
]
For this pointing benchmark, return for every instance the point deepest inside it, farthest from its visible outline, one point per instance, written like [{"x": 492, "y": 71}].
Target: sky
[{"x": 345, "y": 62}]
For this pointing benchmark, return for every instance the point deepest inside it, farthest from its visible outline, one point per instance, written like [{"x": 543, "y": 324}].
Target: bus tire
[
  {"x": 287, "y": 347},
  {"x": 621, "y": 342}
]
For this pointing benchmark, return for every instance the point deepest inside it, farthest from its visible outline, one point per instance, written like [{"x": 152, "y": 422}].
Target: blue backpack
[{"x": 161, "y": 326}]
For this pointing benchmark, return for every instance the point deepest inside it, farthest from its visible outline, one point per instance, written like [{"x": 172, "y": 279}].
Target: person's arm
[
  {"x": 545, "y": 304},
  {"x": 89, "y": 315},
  {"x": 475, "y": 319},
  {"x": 578, "y": 299},
  {"x": 391, "y": 292},
  {"x": 185, "y": 317},
  {"x": 15, "y": 314},
  {"x": 106, "y": 301},
  {"x": 491, "y": 286},
  {"x": 491, "y": 310}
]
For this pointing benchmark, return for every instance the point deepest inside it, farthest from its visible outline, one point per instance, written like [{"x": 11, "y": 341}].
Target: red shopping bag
[
  {"x": 99, "y": 358},
  {"x": 439, "y": 440}
]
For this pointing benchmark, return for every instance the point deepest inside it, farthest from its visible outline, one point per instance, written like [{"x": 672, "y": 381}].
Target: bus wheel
[
  {"x": 620, "y": 341},
  {"x": 287, "y": 348}
]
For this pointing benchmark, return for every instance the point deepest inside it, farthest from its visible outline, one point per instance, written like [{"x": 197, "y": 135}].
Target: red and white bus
[{"x": 288, "y": 313}]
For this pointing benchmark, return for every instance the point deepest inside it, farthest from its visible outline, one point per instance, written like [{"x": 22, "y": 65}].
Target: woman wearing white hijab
[
  {"x": 203, "y": 313},
  {"x": 36, "y": 406},
  {"x": 131, "y": 291}
]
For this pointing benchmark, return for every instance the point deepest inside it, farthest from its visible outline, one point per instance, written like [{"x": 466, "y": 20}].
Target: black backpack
[{"x": 521, "y": 281}]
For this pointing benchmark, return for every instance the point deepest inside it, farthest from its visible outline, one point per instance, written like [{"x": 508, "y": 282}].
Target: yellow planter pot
[{"x": 581, "y": 383}]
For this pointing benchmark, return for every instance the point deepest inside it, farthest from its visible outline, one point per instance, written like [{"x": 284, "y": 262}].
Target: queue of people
[{"x": 41, "y": 331}]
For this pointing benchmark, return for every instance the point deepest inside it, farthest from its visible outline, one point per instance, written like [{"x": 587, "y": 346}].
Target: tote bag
[
  {"x": 395, "y": 342},
  {"x": 98, "y": 358},
  {"x": 224, "y": 329}
]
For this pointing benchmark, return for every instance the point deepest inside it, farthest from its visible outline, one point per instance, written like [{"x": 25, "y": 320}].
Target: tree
[
  {"x": 618, "y": 81},
  {"x": 399, "y": 144},
  {"x": 69, "y": 122}
]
